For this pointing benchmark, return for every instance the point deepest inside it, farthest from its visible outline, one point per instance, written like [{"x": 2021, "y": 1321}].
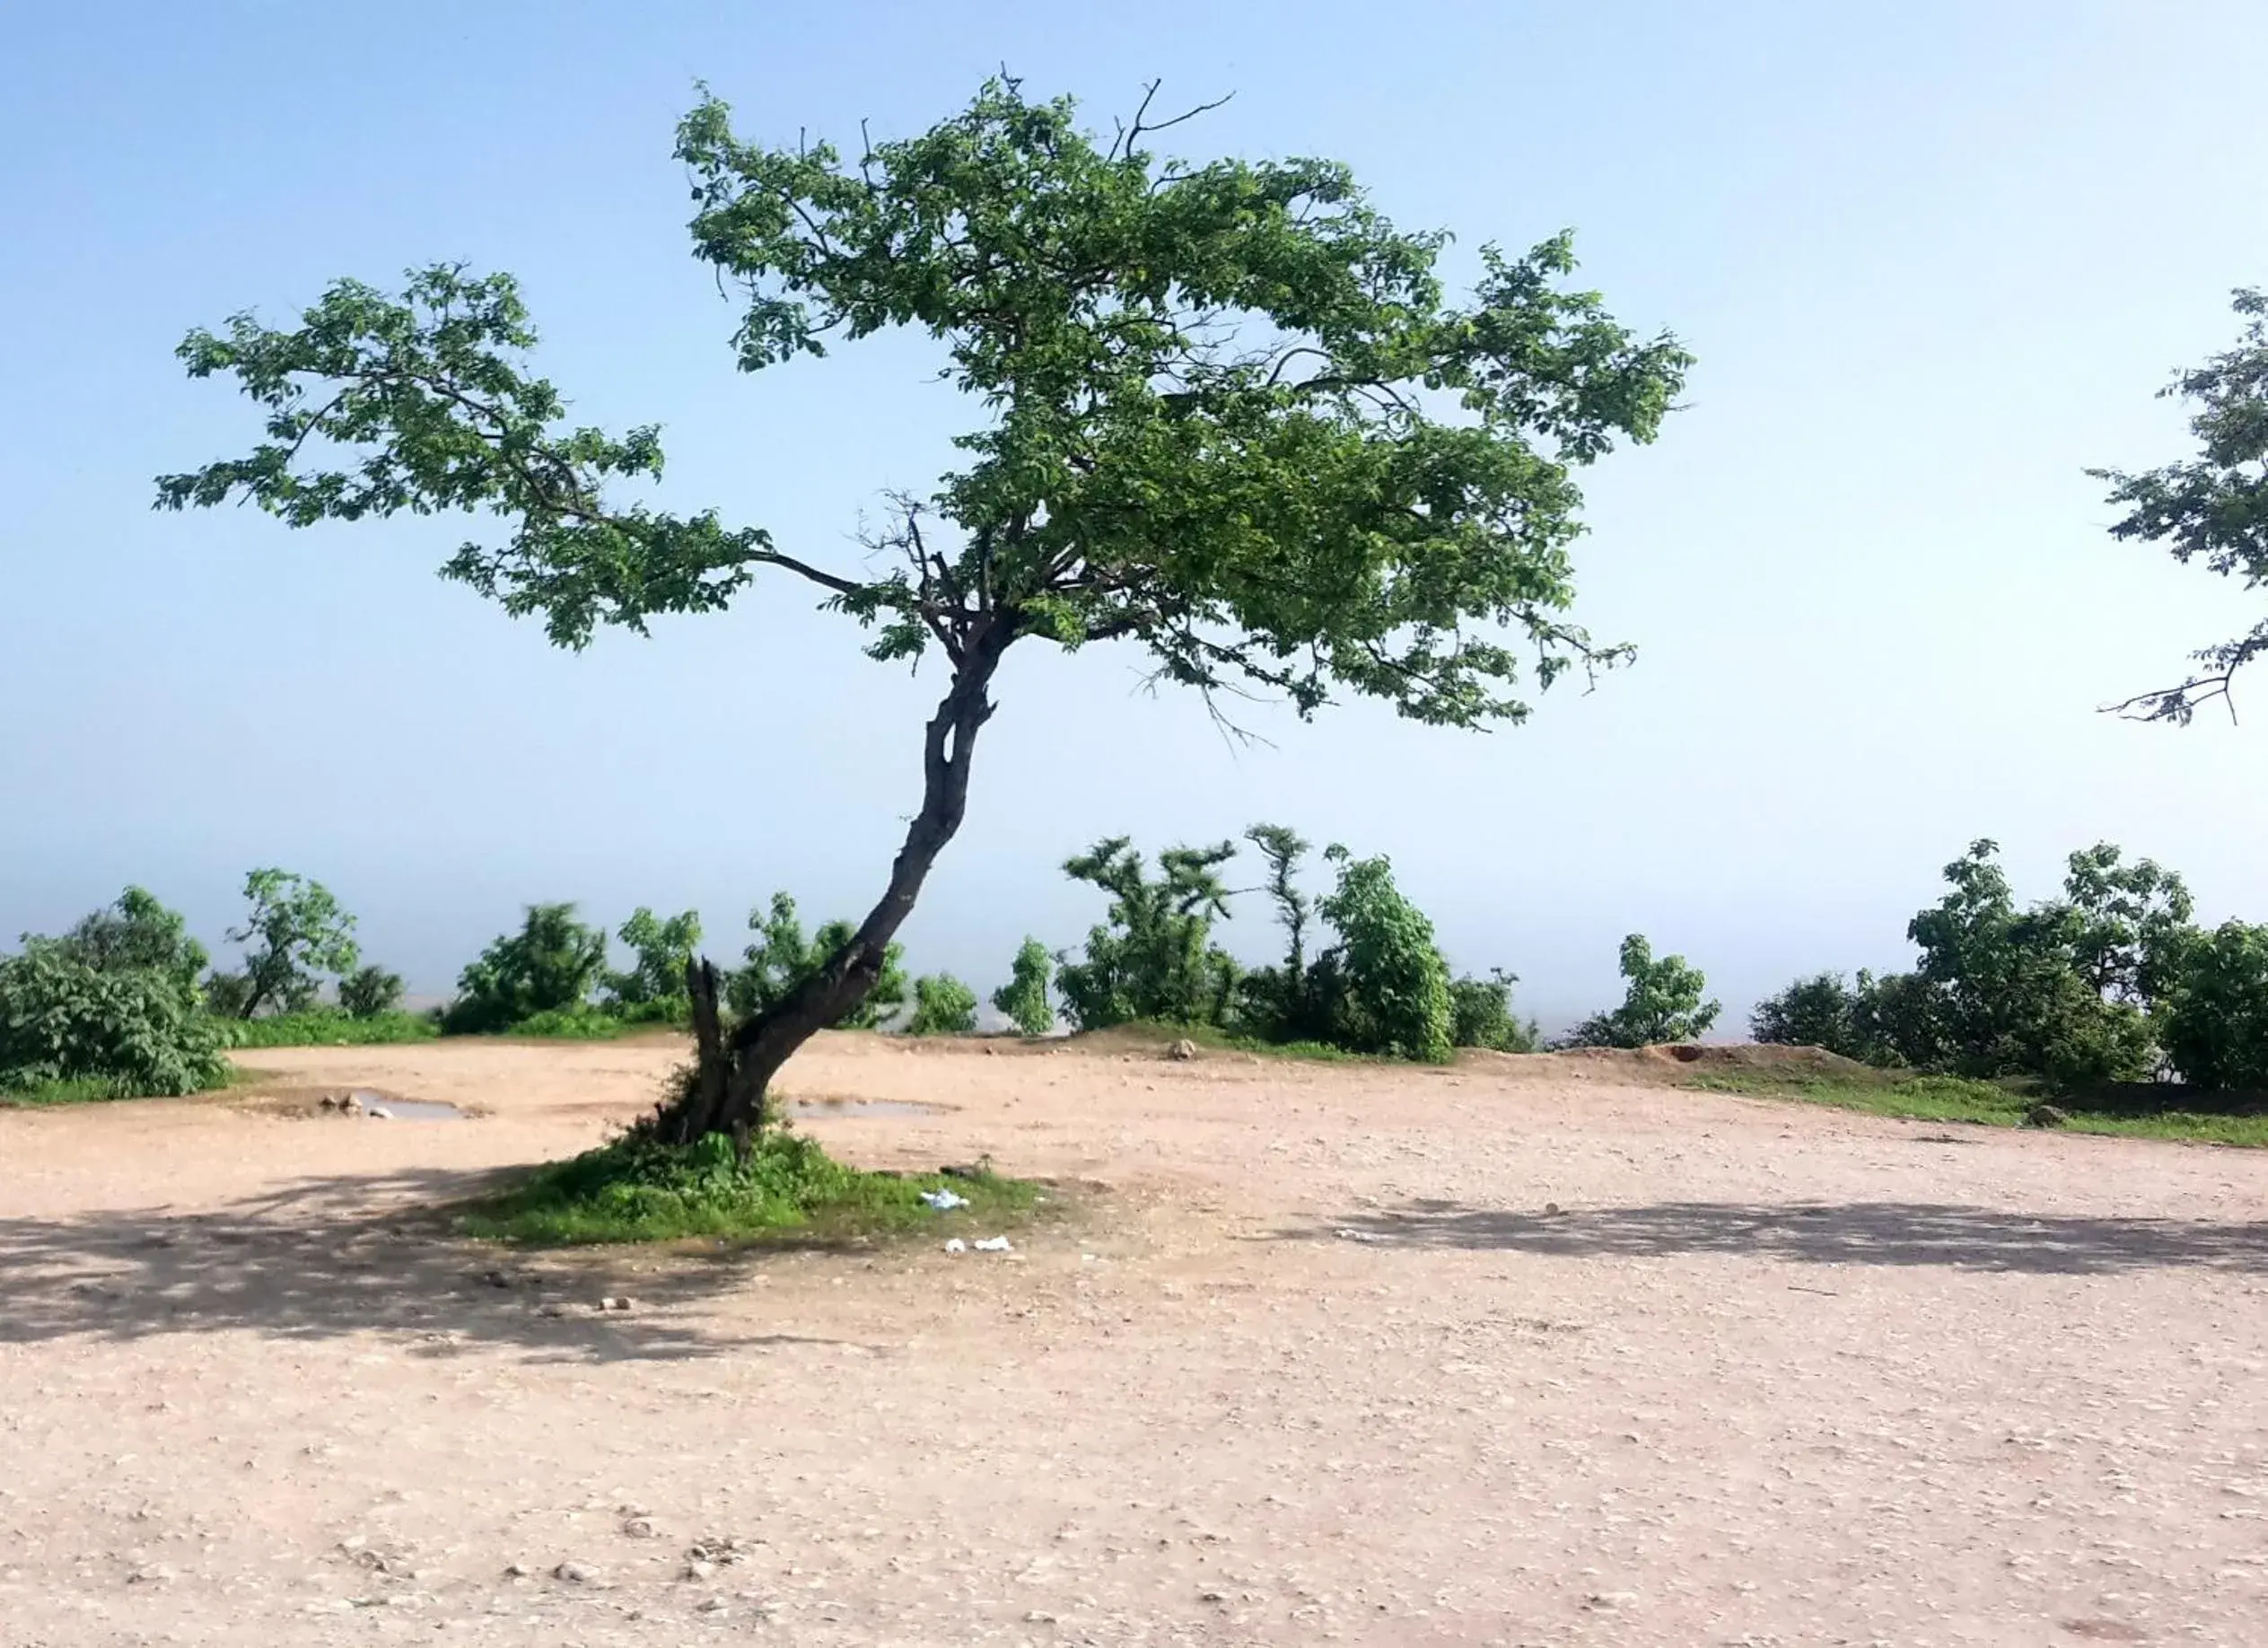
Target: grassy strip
[
  {"x": 328, "y": 1027},
  {"x": 1954, "y": 1098},
  {"x": 634, "y": 1189},
  {"x": 1214, "y": 1037},
  {"x": 110, "y": 1089}
]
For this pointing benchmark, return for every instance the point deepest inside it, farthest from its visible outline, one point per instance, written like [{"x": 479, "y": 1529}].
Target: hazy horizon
[{"x": 1936, "y": 260}]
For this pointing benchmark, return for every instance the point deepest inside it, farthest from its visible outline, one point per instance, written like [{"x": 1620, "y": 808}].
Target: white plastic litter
[
  {"x": 944, "y": 1201},
  {"x": 957, "y": 1246},
  {"x": 994, "y": 1244}
]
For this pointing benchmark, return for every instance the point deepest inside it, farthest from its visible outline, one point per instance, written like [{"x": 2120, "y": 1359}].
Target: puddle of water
[
  {"x": 409, "y": 1110},
  {"x": 863, "y": 1107}
]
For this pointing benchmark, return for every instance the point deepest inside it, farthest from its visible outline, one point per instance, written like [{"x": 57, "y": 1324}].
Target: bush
[
  {"x": 1151, "y": 957},
  {"x": 1818, "y": 1011},
  {"x": 369, "y": 992},
  {"x": 780, "y": 959},
  {"x": 1663, "y": 1002},
  {"x": 1024, "y": 997},
  {"x": 328, "y": 1027},
  {"x": 2214, "y": 1019},
  {"x": 110, "y": 1008},
  {"x": 654, "y": 990},
  {"x": 1481, "y": 1016},
  {"x": 942, "y": 1006},
  {"x": 548, "y": 965},
  {"x": 577, "y": 1021},
  {"x": 1390, "y": 989}
]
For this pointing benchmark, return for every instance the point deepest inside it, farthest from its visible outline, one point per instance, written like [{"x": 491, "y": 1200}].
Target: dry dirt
[{"x": 1527, "y": 1352}]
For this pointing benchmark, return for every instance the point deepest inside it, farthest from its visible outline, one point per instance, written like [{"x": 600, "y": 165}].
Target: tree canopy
[
  {"x": 2212, "y": 508},
  {"x": 1227, "y": 412}
]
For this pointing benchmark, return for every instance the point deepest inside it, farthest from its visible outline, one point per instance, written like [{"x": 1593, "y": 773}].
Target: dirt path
[{"x": 1318, "y": 1364}]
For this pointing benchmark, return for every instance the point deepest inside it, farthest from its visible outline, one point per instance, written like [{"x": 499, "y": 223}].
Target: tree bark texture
[{"x": 734, "y": 1073}]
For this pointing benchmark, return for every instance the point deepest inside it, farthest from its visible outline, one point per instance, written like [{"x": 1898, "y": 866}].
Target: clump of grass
[
  {"x": 637, "y": 1190},
  {"x": 2122, "y": 1113},
  {"x": 328, "y": 1027}
]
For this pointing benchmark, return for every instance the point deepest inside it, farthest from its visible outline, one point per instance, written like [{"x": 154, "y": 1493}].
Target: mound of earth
[{"x": 1677, "y": 1060}]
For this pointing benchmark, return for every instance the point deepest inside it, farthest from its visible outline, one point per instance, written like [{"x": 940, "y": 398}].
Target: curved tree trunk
[{"x": 735, "y": 1073}]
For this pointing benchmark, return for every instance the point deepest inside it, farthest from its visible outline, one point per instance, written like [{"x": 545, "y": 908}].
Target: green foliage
[
  {"x": 293, "y": 932},
  {"x": 368, "y": 991},
  {"x": 2215, "y": 508},
  {"x": 653, "y": 989},
  {"x": 224, "y": 995},
  {"x": 328, "y": 1027},
  {"x": 2054, "y": 991},
  {"x": 577, "y": 1021},
  {"x": 1818, "y": 1011},
  {"x": 781, "y": 958},
  {"x": 635, "y": 1189},
  {"x": 1663, "y": 1002},
  {"x": 136, "y": 932},
  {"x": 1481, "y": 1014},
  {"x": 1228, "y": 413},
  {"x": 110, "y": 1010},
  {"x": 2213, "y": 1021},
  {"x": 1024, "y": 997},
  {"x": 1390, "y": 988},
  {"x": 1151, "y": 957},
  {"x": 942, "y": 1006},
  {"x": 550, "y": 964}
]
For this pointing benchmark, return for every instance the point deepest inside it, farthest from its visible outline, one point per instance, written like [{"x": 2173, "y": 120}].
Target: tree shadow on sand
[
  {"x": 313, "y": 1262},
  {"x": 1894, "y": 1233}
]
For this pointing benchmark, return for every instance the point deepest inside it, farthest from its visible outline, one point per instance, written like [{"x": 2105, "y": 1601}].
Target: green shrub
[
  {"x": 1389, "y": 987},
  {"x": 1151, "y": 957},
  {"x": 942, "y": 1006},
  {"x": 111, "y": 1019},
  {"x": 1481, "y": 1016},
  {"x": 369, "y": 992},
  {"x": 328, "y": 1027},
  {"x": 550, "y": 964},
  {"x": 781, "y": 958},
  {"x": 2213, "y": 1022},
  {"x": 1818, "y": 1011},
  {"x": 1663, "y": 1002},
  {"x": 578, "y": 1021},
  {"x": 653, "y": 991},
  {"x": 1024, "y": 997}
]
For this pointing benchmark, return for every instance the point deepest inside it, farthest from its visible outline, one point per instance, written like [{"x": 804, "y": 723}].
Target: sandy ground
[{"x": 1312, "y": 1360}]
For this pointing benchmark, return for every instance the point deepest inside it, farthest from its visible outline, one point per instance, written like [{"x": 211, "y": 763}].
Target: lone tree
[
  {"x": 1226, "y": 413},
  {"x": 2214, "y": 508}
]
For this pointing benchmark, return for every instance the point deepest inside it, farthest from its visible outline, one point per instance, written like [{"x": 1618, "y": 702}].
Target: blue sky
[{"x": 1935, "y": 259}]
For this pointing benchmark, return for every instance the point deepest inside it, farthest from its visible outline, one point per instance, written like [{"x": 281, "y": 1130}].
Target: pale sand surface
[{"x": 1771, "y": 1374}]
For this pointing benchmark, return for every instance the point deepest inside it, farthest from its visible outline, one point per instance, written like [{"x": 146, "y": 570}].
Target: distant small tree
[
  {"x": 1280, "y": 1003},
  {"x": 1024, "y": 997},
  {"x": 293, "y": 933},
  {"x": 1152, "y": 956},
  {"x": 1481, "y": 1014},
  {"x": 660, "y": 952},
  {"x": 1663, "y": 1002},
  {"x": 549, "y": 965},
  {"x": 780, "y": 959},
  {"x": 369, "y": 992},
  {"x": 2213, "y": 1021},
  {"x": 136, "y": 932},
  {"x": 2213, "y": 508},
  {"x": 942, "y": 1006},
  {"x": 1390, "y": 986},
  {"x": 1227, "y": 412},
  {"x": 1818, "y": 1012}
]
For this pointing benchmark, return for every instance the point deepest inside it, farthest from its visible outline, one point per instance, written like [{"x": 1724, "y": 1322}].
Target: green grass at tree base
[{"x": 634, "y": 1190}]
